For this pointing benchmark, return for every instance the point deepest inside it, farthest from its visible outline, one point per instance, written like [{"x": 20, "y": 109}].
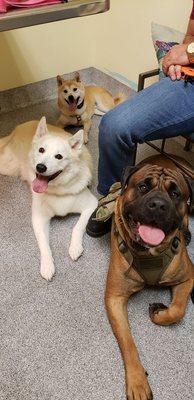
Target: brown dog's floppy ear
[
  {"x": 77, "y": 77},
  {"x": 127, "y": 173},
  {"x": 190, "y": 183},
  {"x": 59, "y": 80}
]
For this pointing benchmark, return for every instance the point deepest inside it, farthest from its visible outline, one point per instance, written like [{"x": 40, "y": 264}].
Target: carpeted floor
[{"x": 55, "y": 339}]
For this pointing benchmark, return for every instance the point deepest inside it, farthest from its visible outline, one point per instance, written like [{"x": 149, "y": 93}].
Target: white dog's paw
[
  {"x": 47, "y": 269},
  {"x": 75, "y": 251}
]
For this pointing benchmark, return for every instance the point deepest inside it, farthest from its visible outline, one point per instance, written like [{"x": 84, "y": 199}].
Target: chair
[{"x": 189, "y": 138}]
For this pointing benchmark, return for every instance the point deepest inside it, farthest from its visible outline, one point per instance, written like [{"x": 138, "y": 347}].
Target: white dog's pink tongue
[
  {"x": 151, "y": 235},
  {"x": 39, "y": 185}
]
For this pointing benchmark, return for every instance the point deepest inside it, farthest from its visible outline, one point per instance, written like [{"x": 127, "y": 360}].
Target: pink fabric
[
  {"x": 4, "y": 4},
  {"x": 30, "y": 3}
]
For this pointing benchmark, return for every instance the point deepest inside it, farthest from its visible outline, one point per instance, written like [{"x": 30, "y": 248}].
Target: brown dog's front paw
[{"x": 138, "y": 388}]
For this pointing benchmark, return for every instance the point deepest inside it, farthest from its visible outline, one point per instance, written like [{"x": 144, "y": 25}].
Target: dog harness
[{"x": 151, "y": 268}]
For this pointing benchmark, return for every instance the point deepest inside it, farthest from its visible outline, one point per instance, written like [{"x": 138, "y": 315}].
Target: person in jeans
[{"x": 163, "y": 110}]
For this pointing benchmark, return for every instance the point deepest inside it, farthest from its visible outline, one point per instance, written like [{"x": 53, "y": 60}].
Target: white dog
[{"x": 58, "y": 168}]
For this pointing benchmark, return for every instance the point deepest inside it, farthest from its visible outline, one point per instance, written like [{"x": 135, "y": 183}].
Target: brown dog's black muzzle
[
  {"x": 154, "y": 209},
  {"x": 158, "y": 205}
]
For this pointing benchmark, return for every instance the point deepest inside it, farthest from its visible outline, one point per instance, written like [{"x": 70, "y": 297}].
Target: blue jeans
[{"x": 163, "y": 110}]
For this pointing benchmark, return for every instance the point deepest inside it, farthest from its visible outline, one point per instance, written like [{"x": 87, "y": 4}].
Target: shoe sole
[{"x": 97, "y": 234}]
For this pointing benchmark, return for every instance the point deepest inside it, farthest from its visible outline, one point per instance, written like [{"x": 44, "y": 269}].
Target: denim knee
[
  {"x": 113, "y": 131},
  {"x": 105, "y": 129}
]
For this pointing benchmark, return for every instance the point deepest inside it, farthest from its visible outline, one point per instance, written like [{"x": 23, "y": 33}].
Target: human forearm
[
  {"x": 177, "y": 55},
  {"x": 189, "y": 37}
]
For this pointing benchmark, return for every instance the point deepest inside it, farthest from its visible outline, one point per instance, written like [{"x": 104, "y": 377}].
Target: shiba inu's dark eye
[
  {"x": 74, "y": 89},
  {"x": 41, "y": 150},
  {"x": 58, "y": 156},
  {"x": 65, "y": 91}
]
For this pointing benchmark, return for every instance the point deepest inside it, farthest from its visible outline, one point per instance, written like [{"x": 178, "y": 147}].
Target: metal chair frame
[{"x": 141, "y": 81}]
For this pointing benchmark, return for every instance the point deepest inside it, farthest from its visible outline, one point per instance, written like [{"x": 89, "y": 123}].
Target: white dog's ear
[
  {"x": 76, "y": 141},
  {"x": 41, "y": 129},
  {"x": 60, "y": 80}
]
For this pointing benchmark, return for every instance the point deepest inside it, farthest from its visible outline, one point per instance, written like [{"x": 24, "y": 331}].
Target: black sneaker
[{"x": 98, "y": 228}]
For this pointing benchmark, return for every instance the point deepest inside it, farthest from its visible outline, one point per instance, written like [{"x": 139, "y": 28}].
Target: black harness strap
[
  {"x": 79, "y": 119},
  {"x": 150, "y": 268}
]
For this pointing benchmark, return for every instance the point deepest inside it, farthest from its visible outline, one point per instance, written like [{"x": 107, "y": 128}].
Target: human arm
[{"x": 177, "y": 55}]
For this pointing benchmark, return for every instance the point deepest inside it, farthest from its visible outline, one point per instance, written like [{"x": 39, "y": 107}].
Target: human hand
[
  {"x": 173, "y": 60},
  {"x": 174, "y": 72}
]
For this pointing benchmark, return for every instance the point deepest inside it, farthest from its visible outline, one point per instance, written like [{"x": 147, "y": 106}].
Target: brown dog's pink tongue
[
  {"x": 39, "y": 185},
  {"x": 151, "y": 235}
]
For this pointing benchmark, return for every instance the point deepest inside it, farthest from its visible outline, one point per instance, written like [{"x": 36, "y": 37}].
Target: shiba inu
[
  {"x": 78, "y": 103},
  {"x": 58, "y": 168}
]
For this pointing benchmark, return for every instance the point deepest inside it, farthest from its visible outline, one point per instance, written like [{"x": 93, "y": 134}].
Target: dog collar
[
  {"x": 150, "y": 268},
  {"x": 78, "y": 118}
]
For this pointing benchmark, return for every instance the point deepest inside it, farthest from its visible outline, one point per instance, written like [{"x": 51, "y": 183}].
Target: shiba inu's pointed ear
[
  {"x": 41, "y": 129},
  {"x": 60, "y": 80},
  {"x": 77, "y": 77},
  {"x": 76, "y": 141}
]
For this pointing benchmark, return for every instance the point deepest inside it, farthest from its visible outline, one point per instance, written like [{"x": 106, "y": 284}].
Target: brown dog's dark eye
[
  {"x": 174, "y": 194},
  {"x": 59, "y": 156},
  {"x": 65, "y": 91},
  {"x": 143, "y": 188},
  {"x": 74, "y": 89},
  {"x": 41, "y": 150},
  {"x": 174, "y": 191}
]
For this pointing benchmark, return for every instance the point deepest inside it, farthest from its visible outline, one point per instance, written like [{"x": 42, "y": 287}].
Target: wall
[
  {"x": 118, "y": 41},
  {"x": 126, "y": 44},
  {"x": 40, "y": 52}
]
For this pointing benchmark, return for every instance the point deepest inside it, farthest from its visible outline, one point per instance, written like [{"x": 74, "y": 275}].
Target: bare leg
[
  {"x": 40, "y": 224},
  {"x": 163, "y": 315},
  {"x": 137, "y": 386}
]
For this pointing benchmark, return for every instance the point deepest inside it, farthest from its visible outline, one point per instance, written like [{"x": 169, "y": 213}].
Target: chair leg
[
  {"x": 188, "y": 145},
  {"x": 134, "y": 155},
  {"x": 163, "y": 144}
]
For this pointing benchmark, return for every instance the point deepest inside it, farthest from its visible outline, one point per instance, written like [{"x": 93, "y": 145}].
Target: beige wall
[
  {"x": 119, "y": 41},
  {"x": 127, "y": 45}
]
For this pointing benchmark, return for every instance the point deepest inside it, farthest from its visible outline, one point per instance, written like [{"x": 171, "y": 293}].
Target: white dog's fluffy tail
[
  {"x": 4, "y": 141},
  {"x": 8, "y": 162}
]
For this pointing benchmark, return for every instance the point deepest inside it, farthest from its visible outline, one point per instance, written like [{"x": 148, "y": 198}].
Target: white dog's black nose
[{"x": 41, "y": 168}]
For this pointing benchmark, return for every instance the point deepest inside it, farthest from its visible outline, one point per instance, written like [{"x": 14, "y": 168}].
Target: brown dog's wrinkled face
[
  {"x": 70, "y": 93},
  {"x": 154, "y": 204}
]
